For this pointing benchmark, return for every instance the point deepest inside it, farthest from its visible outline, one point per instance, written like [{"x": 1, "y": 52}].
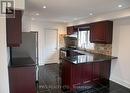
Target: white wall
[
  {"x": 19, "y": 4},
  {"x": 4, "y": 84},
  {"x": 26, "y": 25},
  {"x": 121, "y": 47}
]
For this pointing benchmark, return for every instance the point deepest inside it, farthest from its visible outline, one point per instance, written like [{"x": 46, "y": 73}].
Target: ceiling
[{"x": 70, "y": 10}]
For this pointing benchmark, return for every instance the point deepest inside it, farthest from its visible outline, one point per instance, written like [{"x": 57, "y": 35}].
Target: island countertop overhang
[{"x": 87, "y": 57}]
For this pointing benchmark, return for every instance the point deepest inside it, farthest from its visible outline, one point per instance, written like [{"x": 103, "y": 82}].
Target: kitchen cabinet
[
  {"x": 14, "y": 29},
  {"x": 66, "y": 74},
  {"x": 96, "y": 71},
  {"x": 79, "y": 74},
  {"x": 22, "y": 75},
  {"x": 71, "y": 30},
  {"x": 86, "y": 75},
  {"x": 22, "y": 79},
  {"x": 101, "y": 32},
  {"x": 105, "y": 69}
]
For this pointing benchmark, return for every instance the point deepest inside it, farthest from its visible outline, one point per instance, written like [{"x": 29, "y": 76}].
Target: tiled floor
[{"x": 49, "y": 82}]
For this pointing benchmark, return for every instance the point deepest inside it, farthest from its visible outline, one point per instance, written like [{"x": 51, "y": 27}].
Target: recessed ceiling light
[
  {"x": 120, "y": 6},
  {"x": 33, "y": 18},
  {"x": 44, "y": 6},
  {"x": 37, "y": 14},
  {"x": 90, "y": 13},
  {"x": 75, "y": 19},
  {"x": 64, "y": 21}
]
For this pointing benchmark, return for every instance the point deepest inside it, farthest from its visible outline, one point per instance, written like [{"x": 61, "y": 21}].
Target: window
[{"x": 84, "y": 40}]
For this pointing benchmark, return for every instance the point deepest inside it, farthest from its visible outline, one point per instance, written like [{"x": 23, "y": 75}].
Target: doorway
[{"x": 51, "y": 46}]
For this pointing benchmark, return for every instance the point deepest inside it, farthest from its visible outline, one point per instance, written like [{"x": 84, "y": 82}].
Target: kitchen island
[{"x": 83, "y": 68}]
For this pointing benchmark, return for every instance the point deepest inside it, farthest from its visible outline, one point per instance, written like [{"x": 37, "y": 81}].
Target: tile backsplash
[
  {"x": 61, "y": 40},
  {"x": 102, "y": 49},
  {"x": 105, "y": 49}
]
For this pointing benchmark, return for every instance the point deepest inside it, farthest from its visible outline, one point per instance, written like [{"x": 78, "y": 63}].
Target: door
[{"x": 51, "y": 46}]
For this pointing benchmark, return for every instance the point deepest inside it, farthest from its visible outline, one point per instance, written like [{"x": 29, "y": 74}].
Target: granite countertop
[
  {"x": 66, "y": 49},
  {"x": 22, "y": 62},
  {"x": 88, "y": 57}
]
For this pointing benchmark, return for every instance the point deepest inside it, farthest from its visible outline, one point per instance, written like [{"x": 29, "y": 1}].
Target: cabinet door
[
  {"x": 70, "y": 30},
  {"x": 101, "y": 32},
  {"x": 98, "y": 32},
  {"x": 66, "y": 74},
  {"x": 22, "y": 80},
  {"x": 76, "y": 74},
  {"x": 105, "y": 70},
  {"x": 86, "y": 73},
  {"x": 96, "y": 71},
  {"x": 14, "y": 29}
]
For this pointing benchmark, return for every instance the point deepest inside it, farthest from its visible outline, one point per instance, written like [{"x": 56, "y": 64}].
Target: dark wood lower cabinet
[
  {"x": 22, "y": 79},
  {"x": 80, "y": 74},
  {"x": 96, "y": 71},
  {"x": 86, "y": 73},
  {"x": 66, "y": 71},
  {"x": 105, "y": 68}
]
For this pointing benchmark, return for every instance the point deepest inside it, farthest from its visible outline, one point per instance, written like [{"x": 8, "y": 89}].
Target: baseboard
[
  {"x": 42, "y": 64},
  {"x": 120, "y": 81}
]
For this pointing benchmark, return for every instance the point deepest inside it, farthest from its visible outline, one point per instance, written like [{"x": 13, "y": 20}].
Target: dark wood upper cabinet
[
  {"x": 14, "y": 29},
  {"x": 71, "y": 30},
  {"x": 101, "y": 32}
]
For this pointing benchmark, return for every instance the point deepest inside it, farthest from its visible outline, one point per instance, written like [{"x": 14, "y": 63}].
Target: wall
[
  {"x": 121, "y": 47},
  {"x": 19, "y": 4},
  {"x": 61, "y": 40},
  {"x": 4, "y": 84},
  {"x": 26, "y": 25},
  {"x": 105, "y": 49}
]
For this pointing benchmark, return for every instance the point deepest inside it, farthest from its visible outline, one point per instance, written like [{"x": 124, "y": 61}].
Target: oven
[{"x": 63, "y": 54}]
